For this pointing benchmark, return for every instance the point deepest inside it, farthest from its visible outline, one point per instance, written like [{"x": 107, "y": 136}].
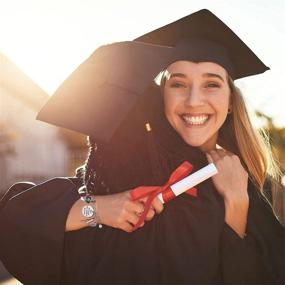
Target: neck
[{"x": 209, "y": 144}]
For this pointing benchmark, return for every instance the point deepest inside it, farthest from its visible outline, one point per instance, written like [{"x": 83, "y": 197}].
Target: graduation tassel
[
  {"x": 155, "y": 159},
  {"x": 148, "y": 127}
]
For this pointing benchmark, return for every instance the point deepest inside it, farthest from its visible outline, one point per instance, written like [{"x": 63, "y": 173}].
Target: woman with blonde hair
[{"x": 118, "y": 232}]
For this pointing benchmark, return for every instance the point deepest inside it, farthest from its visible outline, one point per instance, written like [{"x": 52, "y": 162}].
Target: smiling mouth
[{"x": 195, "y": 120}]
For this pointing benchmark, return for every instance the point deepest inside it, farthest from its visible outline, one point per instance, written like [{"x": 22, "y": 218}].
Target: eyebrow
[
  {"x": 182, "y": 75},
  {"x": 213, "y": 75}
]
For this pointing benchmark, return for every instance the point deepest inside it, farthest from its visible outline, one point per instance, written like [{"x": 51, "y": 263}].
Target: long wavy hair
[
  {"x": 253, "y": 148},
  {"x": 238, "y": 136}
]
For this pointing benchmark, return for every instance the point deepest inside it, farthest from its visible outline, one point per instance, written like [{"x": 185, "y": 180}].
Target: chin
[{"x": 193, "y": 143}]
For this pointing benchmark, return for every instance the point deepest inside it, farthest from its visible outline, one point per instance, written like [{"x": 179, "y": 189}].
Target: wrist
[
  {"x": 236, "y": 214},
  {"x": 236, "y": 200},
  {"x": 89, "y": 211}
]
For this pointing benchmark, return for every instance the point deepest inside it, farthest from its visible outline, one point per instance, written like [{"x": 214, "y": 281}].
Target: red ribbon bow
[{"x": 152, "y": 191}]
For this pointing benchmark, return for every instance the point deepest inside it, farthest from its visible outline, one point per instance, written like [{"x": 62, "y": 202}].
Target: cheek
[
  {"x": 169, "y": 104},
  {"x": 222, "y": 101},
  {"x": 222, "y": 108}
]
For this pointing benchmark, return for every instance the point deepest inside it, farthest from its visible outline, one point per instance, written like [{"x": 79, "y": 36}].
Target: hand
[
  {"x": 231, "y": 180},
  {"x": 231, "y": 183},
  {"x": 119, "y": 211}
]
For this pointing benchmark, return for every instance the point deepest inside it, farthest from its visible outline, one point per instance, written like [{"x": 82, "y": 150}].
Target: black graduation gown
[{"x": 188, "y": 243}]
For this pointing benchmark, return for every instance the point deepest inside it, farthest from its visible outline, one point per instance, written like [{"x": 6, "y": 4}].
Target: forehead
[{"x": 191, "y": 69}]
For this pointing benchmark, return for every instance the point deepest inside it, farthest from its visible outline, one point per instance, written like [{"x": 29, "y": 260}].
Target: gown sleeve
[
  {"x": 259, "y": 257},
  {"x": 32, "y": 226}
]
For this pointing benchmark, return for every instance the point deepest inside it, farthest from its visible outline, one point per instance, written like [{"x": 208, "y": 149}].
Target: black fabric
[
  {"x": 261, "y": 248},
  {"x": 217, "y": 43},
  {"x": 188, "y": 243},
  {"x": 98, "y": 95},
  {"x": 32, "y": 223},
  {"x": 203, "y": 50}
]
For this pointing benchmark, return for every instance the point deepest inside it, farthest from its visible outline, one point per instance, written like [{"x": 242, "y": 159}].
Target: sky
[{"x": 48, "y": 39}]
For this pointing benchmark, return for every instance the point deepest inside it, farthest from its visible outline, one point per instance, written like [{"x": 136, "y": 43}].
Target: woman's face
[{"x": 197, "y": 99}]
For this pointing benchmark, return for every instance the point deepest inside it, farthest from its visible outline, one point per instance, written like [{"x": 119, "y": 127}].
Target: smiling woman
[
  {"x": 197, "y": 101},
  {"x": 205, "y": 107},
  {"x": 143, "y": 138}
]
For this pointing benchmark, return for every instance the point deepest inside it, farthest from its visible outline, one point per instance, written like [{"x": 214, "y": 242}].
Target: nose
[{"x": 194, "y": 98}]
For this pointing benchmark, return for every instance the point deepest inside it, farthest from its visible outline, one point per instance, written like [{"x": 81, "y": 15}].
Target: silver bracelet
[{"x": 90, "y": 212}]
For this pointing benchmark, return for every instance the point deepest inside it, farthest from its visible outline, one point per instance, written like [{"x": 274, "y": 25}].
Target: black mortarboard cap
[
  {"x": 98, "y": 95},
  {"x": 202, "y": 36}
]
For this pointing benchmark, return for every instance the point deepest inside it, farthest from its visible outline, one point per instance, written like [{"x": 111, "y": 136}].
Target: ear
[{"x": 230, "y": 107}]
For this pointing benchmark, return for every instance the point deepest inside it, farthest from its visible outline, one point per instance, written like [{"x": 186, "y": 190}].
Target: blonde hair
[
  {"x": 253, "y": 148},
  {"x": 238, "y": 136}
]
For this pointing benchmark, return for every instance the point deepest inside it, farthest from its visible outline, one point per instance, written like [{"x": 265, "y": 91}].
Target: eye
[
  {"x": 178, "y": 85},
  {"x": 212, "y": 85}
]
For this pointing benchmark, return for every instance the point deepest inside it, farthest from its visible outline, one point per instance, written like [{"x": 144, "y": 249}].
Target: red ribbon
[{"x": 152, "y": 191}]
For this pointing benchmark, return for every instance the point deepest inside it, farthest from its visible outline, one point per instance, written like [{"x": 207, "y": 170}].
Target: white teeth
[{"x": 195, "y": 120}]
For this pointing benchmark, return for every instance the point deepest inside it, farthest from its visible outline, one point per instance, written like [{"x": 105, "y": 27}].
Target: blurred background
[{"x": 42, "y": 42}]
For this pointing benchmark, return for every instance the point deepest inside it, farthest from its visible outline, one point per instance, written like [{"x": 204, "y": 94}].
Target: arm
[
  {"x": 241, "y": 258},
  {"x": 258, "y": 258},
  {"x": 231, "y": 183},
  {"x": 32, "y": 223},
  {"x": 236, "y": 214},
  {"x": 116, "y": 210}
]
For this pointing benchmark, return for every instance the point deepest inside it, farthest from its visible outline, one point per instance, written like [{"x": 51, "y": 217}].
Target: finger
[
  {"x": 209, "y": 158},
  {"x": 132, "y": 218},
  {"x": 127, "y": 227},
  {"x": 137, "y": 207},
  {"x": 150, "y": 214},
  {"x": 221, "y": 153},
  {"x": 215, "y": 156},
  {"x": 157, "y": 205},
  {"x": 134, "y": 206},
  {"x": 230, "y": 153},
  {"x": 143, "y": 200},
  {"x": 227, "y": 151},
  {"x": 222, "y": 150}
]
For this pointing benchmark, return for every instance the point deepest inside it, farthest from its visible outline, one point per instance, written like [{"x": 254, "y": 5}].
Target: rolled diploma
[{"x": 192, "y": 180}]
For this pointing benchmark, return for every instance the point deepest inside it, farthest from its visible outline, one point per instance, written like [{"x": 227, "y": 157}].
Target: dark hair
[{"x": 90, "y": 171}]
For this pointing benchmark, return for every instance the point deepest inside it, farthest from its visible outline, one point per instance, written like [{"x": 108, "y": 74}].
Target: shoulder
[
  {"x": 29, "y": 189},
  {"x": 260, "y": 200},
  {"x": 261, "y": 211}
]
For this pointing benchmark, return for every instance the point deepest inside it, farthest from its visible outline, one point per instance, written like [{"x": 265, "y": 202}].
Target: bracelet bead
[{"x": 90, "y": 211}]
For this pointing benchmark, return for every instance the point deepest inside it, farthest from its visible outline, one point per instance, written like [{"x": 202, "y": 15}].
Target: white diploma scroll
[{"x": 191, "y": 180}]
